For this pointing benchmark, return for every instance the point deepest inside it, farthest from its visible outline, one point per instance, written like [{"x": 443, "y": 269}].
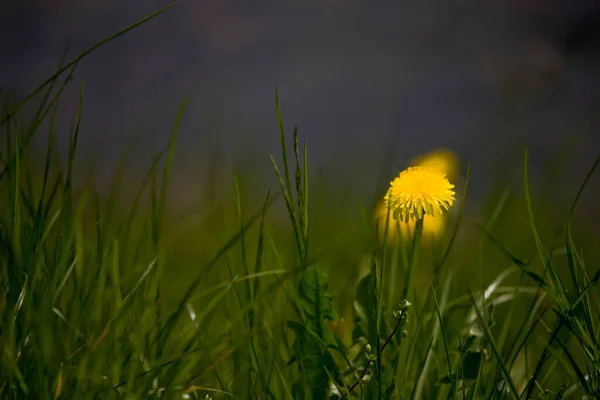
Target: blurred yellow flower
[
  {"x": 441, "y": 160},
  {"x": 380, "y": 217},
  {"x": 432, "y": 226},
  {"x": 418, "y": 191}
]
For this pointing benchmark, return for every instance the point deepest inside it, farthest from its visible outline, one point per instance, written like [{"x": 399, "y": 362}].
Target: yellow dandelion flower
[
  {"x": 418, "y": 191},
  {"x": 442, "y": 160}
]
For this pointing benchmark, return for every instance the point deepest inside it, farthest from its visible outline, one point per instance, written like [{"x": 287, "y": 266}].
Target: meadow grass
[{"x": 101, "y": 296}]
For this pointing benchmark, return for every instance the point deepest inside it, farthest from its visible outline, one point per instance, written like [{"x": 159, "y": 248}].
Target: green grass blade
[
  {"x": 208, "y": 267},
  {"x": 290, "y": 207},
  {"x": 543, "y": 253},
  {"x": 260, "y": 245},
  {"x": 495, "y": 350},
  {"x": 288, "y": 182},
  {"x": 580, "y": 375},
  {"x": 305, "y": 208},
  {"x": 169, "y": 161},
  {"x": 299, "y": 187},
  {"x": 516, "y": 260},
  {"x": 544, "y": 358},
  {"x": 16, "y": 202},
  {"x": 40, "y": 111},
  {"x": 33, "y": 129},
  {"x": 40, "y": 207},
  {"x": 440, "y": 265},
  {"x": 572, "y": 260},
  {"x": 84, "y": 54},
  {"x": 445, "y": 342}
]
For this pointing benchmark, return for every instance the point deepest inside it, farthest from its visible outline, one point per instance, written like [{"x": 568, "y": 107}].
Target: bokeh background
[{"x": 370, "y": 85}]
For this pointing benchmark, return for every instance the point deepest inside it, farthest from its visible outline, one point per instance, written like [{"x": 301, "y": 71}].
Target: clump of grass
[{"x": 85, "y": 312}]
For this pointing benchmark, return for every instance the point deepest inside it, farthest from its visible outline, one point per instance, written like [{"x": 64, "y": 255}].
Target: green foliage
[
  {"x": 314, "y": 359},
  {"x": 365, "y": 310},
  {"x": 316, "y": 303},
  {"x": 315, "y": 336},
  {"x": 103, "y": 296}
]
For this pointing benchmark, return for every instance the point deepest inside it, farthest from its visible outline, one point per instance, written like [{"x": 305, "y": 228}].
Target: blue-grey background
[{"x": 362, "y": 80}]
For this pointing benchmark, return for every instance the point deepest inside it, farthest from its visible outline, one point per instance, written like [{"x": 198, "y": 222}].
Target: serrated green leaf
[
  {"x": 365, "y": 310},
  {"x": 316, "y": 303},
  {"x": 314, "y": 360}
]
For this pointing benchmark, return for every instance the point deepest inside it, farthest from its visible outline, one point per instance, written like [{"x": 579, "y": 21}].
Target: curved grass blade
[
  {"x": 543, "y": 253},
  {"x": 84, "y": 54},
  {"x": 569, "y": 242}
]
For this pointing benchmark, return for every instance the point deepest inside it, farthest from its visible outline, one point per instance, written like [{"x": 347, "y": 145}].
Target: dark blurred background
[{"x": 364, "y": 81}]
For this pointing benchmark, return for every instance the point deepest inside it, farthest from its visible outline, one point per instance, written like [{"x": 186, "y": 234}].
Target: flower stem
[
  {"x": 414, "y": 252},
  {"x": 364, "y": 371}
]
